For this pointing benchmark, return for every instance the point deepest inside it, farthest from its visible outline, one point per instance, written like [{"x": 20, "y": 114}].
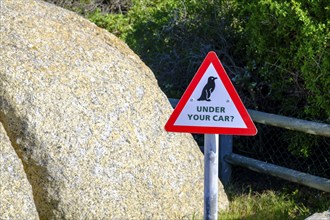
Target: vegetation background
[{"x": 276, "y": 52}]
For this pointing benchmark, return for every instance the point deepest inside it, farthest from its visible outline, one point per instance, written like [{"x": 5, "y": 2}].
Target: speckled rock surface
[
  {"x": 320, "y": 216},
  {"x": 86, "y": 117},
  {"x": 16, "y": 199}
]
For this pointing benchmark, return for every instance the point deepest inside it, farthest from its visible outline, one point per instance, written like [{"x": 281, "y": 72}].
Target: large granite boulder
[
  {"x": 86, "y": 117},
  {"x": 16, "y": 197}
]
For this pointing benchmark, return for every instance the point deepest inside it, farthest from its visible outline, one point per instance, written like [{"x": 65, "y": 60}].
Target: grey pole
[{"x": 211, "y": 160}]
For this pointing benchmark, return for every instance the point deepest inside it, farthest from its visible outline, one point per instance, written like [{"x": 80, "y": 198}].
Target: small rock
[{"x": 320, "y": 216}]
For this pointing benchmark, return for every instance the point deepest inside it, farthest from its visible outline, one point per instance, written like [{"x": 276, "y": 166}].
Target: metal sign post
[{"x": 211, "y": 160}]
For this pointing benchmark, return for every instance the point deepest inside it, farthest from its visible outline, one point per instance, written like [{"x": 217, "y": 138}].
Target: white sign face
[{"x": 210, "y": 105}]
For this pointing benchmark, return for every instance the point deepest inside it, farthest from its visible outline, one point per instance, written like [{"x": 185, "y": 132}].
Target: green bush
[
  {"x": 117, "y": 24},
  {"x": 173, "y": 37},
  {"x": 288, "y": 46}
]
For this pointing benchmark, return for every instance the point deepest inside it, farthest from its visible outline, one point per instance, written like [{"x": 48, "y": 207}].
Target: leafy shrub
[
  {"x": 117, "y": 24},
  {"x": 288, "y": 46},
  {"x": 173, "y": 37}
]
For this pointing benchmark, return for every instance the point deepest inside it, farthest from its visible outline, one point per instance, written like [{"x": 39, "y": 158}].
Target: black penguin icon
[{"x": 208, "y": 89}]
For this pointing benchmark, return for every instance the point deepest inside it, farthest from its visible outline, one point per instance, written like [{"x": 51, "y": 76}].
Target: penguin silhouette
[{"x": 208, "y": 89}]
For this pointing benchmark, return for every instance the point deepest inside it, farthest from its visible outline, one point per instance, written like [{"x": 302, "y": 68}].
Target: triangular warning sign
[{"x": 210, "y": 104}]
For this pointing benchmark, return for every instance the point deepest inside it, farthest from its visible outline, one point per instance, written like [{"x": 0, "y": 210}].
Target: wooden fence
[{"x": 227, "y": 158}]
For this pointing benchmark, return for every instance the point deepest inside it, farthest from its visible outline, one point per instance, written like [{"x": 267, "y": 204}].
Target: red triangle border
[{"x": 211, "y": 58}]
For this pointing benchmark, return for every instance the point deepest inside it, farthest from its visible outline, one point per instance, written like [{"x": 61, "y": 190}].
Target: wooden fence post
[{"x": 226, "y": 148}]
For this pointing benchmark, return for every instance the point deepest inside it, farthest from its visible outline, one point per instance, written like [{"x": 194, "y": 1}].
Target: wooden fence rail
[
  {"x": 309, "y": 127},
  {"x": 281, "y": 172}
]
